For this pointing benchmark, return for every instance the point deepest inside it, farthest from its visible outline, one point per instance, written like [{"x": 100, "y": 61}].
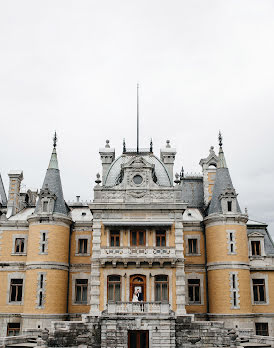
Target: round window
[{"x": 137, "y": 179}]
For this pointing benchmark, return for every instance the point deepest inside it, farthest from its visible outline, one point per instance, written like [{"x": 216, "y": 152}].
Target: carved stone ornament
[{"x": 137, "y": 193}]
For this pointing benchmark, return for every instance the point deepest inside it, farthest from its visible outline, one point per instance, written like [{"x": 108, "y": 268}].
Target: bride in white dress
[{"x": 135, "y": 296}]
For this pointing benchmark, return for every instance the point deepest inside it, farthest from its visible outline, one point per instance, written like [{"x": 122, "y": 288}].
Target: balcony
[
  {"x": 138, "y": 255},
  {"x": 138, "y": 308}
]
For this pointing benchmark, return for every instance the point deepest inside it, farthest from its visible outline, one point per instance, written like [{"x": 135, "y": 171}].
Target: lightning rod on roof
[{"x": 137, "y": 117}]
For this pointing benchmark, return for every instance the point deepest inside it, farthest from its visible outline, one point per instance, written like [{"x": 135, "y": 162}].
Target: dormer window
[
  {"x": 45, "y": 206},
  {"x": 256, "y": 248},
  {"x": 229, "y": 206}
]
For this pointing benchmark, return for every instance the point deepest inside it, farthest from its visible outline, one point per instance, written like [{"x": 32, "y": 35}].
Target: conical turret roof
[
  {"x": 222, "y": 182},
  {"x": 52, "y": 182}
]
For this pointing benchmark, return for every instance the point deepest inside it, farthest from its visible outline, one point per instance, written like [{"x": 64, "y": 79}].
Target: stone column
[
  {"x": 95, "y": 267},
  {"x": 180, "y": 269}
]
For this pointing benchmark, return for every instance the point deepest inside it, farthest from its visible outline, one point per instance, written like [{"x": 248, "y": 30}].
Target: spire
[
  {"x": 52, "y": 184},
  {"x": 221, "y": 160},
  {"x": 223, "y": 184},
  {"x": 53, "y": 163}
]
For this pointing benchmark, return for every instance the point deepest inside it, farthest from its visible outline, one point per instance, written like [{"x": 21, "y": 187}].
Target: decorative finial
[
  {"x": 55, "y": 140},
  {"x": 182, "y": 173},
  {"x": 151, "y": 146},
  {"x": 98, "y": 180},
  {"x": 177, "y": 179},
  {"x": 124, "y": 146},
  {"x": 220, "y": 139},
  {"x": 246, "y": 211},
  {"x": 211, "y": 150},
  {"x": 168, "y": 143},
  {"x": 107, "y": 143}
]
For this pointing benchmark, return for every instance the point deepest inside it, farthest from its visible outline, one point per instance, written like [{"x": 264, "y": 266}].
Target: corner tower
[
  {"x": 48, "y": 250},
  {"x": 227, "y": 251}
]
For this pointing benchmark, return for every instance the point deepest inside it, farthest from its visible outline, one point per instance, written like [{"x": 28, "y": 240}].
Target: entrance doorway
[
  {"x": 138, "y": 339},
  {"x": 138, "y": 282}
]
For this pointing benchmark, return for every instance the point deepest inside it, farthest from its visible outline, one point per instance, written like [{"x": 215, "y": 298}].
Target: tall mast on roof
[{"x": 137, "y": 117}]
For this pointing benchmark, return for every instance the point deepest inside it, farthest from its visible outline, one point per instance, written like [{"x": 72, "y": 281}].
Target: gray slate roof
[
  {"x": 222, "y": 182},
  {"x": 52, "y": 181},
  {"x": 193, "y": 192},
  {"x": 3, "y": 197}
]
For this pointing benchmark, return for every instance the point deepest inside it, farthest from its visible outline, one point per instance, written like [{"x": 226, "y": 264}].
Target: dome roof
[{"x": 161, "y": 173}]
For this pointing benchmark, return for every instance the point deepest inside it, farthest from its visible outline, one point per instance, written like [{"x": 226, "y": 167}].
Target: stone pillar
[
  {"x": 180, "y": 269},
  {"x": 95, "y": 267}
]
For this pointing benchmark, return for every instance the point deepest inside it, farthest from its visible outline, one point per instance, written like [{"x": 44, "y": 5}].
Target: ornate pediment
[
  {"x": 256, "y": 235},
  {"x": 137, "y": 162}
]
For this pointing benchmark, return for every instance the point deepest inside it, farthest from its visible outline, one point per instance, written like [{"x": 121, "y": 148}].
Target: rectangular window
[
  {"x": 82, "y": 246},
  {"x": 16, "y": 290},
  {"x": 256, "y": 248},
  {"x": 160, "y": 238},
  {"x": 13, "y": 329},
  {"x": 192, "y": 246},
  {"x": 194, "y": 291},
  {"x": 234, "y": 290},
  {"x": 81, "y": 291},
  {"x": 261, "y": 329},
  {"x": 258, "y": 290},
  {"x": 114, "y": 238},
  {"x": 114, "y": 288},
  {"x": 161, "y": 288},
  {"x": 43, "y": 242},
  {"x": 137, "y": 238},
  {"x": 45, "y": 206},
  {"x": 229, "y": 206},
  {"x": 19, "y": 245}
]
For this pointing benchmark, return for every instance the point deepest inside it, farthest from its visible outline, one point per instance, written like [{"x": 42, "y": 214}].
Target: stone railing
[
  {"x": 138, "y": 307},
  {"x": 138, "y": 252}
]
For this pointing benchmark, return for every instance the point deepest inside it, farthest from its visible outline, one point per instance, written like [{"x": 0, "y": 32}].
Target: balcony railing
[
  {"x": 138, "y": 307},
  {"x": 138, "y": 252}
]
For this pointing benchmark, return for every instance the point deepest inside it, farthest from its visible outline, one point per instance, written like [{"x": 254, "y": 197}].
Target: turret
[
  {"x": 227, "y": 251},
  {"x": 48, "y": 250},
  {"x": 167, "y": 155},
  {"x": 107, "y": 157}
]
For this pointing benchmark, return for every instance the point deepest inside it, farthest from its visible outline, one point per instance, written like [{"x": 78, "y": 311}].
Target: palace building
[{"x": 151, "y": 255}]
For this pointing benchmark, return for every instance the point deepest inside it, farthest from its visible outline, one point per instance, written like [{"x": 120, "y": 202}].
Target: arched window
[
  {"x": 114, "y": 288},
  {"x": 161, "y": 288}
]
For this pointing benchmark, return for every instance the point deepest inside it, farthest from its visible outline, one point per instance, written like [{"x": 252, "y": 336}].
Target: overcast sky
[{"x": 72, "y": 66}]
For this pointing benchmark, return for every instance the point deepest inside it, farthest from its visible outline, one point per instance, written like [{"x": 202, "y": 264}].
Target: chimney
[
  {"x": 107, "y": 157},
  {"x": 16, "y": 177},
  {"x": 167, "y": 155}
]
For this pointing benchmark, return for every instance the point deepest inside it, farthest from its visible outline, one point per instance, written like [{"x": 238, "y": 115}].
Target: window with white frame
[
  {"x": 231, "y": 242},
  {"x": 80, "y": 289},
  {"x": 259, "y": 288},
  {"x": 19, "y": 244},
  {"x": 82, "y": 245},
  {"x": 256, "y": 244},
  {"x": 15, "y": 293},
  {"x": 43, "y": 247},
  {"x": 192, "y": 245},
  {"x": 41, "y": 288},
  {"x": 234, "y": 290},
  {"x": 195, "y": 289}
]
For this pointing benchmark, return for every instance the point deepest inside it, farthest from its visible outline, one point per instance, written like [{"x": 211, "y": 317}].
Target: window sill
[
  {"x": 193, "y": 254},
  {"x": 19, "y": 254},
  {"x": 15, "y": 303},
  {"x": 81, "y": 254},
  {"x": 194, "y": 304},
  {"x": 260, "y": 303},
  {"x": 80, "y": 304}
]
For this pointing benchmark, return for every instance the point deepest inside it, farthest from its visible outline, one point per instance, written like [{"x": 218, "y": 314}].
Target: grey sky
[{"x": 202, "y": 66}]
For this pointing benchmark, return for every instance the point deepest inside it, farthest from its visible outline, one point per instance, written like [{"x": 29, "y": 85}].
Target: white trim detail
[
  {"x": 15, "y": 275},
  {"x": 195, "y": 275},
  {"x": 43, "y": 242},
  {"x": 16, "y": 236},
  {"x": 73, "y": 293},
  {"x": 82, "y": 236},
  {"x": 193, "y": 236},
  {"x": 41, "y": 289},
  {"x": 231, "y": 242},
  {"x": 259, "y": 276},
  {"x": 234, "y": 290}
]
